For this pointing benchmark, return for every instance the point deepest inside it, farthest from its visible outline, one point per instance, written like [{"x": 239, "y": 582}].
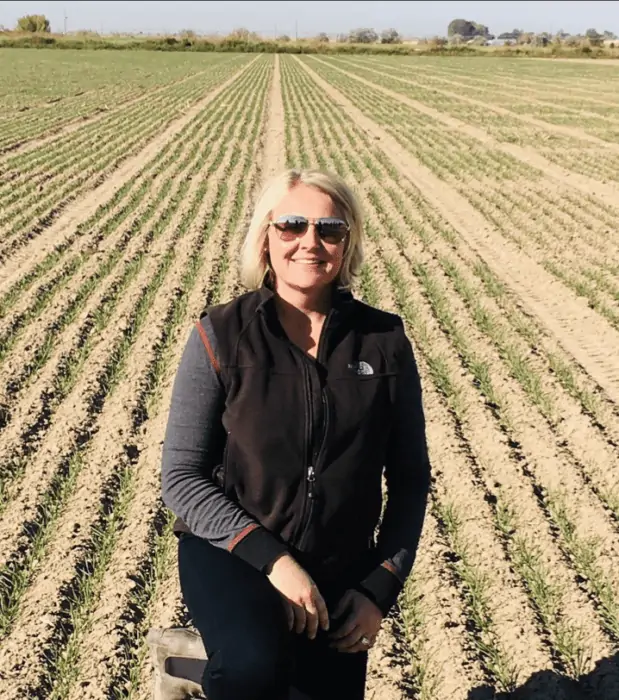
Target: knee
[{"x": 248, "y": 672}]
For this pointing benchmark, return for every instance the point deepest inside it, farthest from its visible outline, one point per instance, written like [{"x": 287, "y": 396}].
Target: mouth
[{"x": 307, "y": 261}]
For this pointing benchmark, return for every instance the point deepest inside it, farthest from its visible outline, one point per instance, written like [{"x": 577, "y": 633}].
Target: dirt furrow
[
  {"x": 93, "y": 230},
  {"x": 493, "y": 463},
  {"x": 105, "y": 454},
  {"x": 413, "y": 663},
  {"x": 130, "y": 201},
  {"x": 85, "y": 122},
  {"x": 592, "y": 448},
  {"x": 584, "y": 446},
  {"x": 588, "y": 441},
  {"x": 519, "y": 93},
  {"x": 600, "y": 648},
  {"x": 30, "y": 338},
  {"x": 580, "y": 330},
  {"x": 436, "y": 642},
  {"x": 107, "y": 623},
  {"x": 590, "y": 91},
  {"x": 106, "y": 636},
  {"x": 85, "y": 206},
  {"x": 556, "y": 128},
  {"x": 552, "y": 447},
  {"x": 85, "y": 491},
  {"x": 274, "y": 155},
  {"x": 28, "y": 344},
  {"x": 499, "y": 205},
  {"x": 71, "y": 412},
  {"x": 525, "y": 154},
  {"x": 551, "y": 228},
  {"x": 559, "y": 444},
  {"x": 514, "y": 629}
]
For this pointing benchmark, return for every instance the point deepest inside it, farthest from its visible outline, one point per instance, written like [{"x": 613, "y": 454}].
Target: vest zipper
[
  {"x": 310, "y": 470},
  {"x": 308, "y": 490}
]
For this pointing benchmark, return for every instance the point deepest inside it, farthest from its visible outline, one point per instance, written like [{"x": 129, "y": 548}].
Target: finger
[
  {"x": 343, "y": 603},
  {"x": 323, "y": 612},
  {"x": 350, "y": 640},
  {"x": 356, "y": 648},
  {"x": 289, "y": 614},
  {"x": 311, "y": 623},
  {"x": 300, "y": 618},
  {"x": 347, "y": 626}
]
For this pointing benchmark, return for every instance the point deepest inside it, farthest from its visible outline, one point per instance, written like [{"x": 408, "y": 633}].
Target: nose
[{"x": 311, "y": 236}]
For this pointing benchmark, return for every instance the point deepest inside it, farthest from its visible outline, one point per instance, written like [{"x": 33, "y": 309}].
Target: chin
[{"x": 310, "y": 282}]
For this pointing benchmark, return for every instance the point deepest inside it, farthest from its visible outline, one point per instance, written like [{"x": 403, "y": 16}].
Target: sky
[{"x": 306, "y": 18}]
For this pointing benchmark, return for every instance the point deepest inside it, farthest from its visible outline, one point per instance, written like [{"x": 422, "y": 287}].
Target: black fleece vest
[{"x": 307, "y": 438}]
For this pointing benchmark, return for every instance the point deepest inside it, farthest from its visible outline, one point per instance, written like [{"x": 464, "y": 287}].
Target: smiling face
[{"x": 307, "y": 263}]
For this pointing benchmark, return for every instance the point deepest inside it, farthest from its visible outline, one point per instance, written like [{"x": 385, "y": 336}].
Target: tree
[
  {"x": 481, "y": 29},
  {"x": 33, "y": 23},
  {"x": 243, "y": 34},
  {"x": 390, "y": 36},
  {"x": 462, "y": 27},
  {"x": 284, "y": 38},
  {"x": 595, "y": 39},
  {"x": 509, "y": 35},
  {"x": 609, "y": 36},
  {"x": 363, "y": 36},
  {"x": 323, "y": 38}
]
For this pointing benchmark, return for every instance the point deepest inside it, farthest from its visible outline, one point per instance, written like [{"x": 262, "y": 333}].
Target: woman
[{"x": 289, "y": 402}]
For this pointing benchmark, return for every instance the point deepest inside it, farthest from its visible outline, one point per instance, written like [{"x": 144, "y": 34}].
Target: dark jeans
[{"x": 251, "y": 653}]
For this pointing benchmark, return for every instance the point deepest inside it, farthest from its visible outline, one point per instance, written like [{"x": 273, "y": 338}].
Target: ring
[{"x": 365, "y": 641}]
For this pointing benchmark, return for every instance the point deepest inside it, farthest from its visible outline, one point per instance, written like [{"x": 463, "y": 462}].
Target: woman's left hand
[{"x": 358, "y": 630}]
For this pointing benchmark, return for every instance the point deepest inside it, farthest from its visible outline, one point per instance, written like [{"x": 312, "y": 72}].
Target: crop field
[{"x": 491, "y": 191}]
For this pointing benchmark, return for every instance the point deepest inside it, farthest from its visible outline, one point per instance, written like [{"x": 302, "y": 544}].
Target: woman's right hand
[{"x": 305, "y": 606}]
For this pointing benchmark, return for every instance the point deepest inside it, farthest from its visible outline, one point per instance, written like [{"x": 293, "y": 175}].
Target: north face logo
[{"x": 361, "y": 367}]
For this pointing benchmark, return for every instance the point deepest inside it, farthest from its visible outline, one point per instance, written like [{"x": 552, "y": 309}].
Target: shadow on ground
[{"x": 601, "y": 684}]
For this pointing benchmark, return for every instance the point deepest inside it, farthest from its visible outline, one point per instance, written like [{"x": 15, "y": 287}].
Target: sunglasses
[{"x": 293, "y": 226}]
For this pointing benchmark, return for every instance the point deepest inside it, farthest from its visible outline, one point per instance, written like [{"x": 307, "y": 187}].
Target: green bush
[{"x": 33, "y": 23}]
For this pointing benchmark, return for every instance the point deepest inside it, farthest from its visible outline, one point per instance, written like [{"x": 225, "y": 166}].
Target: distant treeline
[{"x": 422, "y": 48}]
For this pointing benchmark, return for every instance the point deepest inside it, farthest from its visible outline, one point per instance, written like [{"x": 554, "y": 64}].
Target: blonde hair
[{"x": 254, "y": 265}]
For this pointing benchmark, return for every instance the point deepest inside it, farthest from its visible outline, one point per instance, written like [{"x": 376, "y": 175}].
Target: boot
[{"x": 178, "y": 657}]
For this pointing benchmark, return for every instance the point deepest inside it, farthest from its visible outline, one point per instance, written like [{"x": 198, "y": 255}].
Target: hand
[
  {"x": 363, "y": 620},
  {"x": 305, "y": 606}
]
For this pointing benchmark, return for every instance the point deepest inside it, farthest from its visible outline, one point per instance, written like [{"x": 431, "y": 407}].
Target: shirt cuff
[
  {"x": 257, "y": 546},
  {"x": 382, "y": 586}
]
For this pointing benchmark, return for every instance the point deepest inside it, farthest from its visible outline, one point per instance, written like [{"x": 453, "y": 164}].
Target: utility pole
[
  {"x": 65, "y": 20},
  {"x": 296, "y": 30}
]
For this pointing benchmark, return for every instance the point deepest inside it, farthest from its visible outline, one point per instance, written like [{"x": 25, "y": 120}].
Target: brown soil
[
  {"x": 34, "y": 333},
  {"x": 67, "y": 128},
  {"x": 431, "y": 645},
  {"x": 106, "y": 452},
  {"x": 581, "y": 613},
  {"x": 557, "y": 128},
  {"x": 523, "y": 153},
  {"x": 104, "y": 637},
  {"x": 274, "y": 155},
  {"x": 542, "y": 95},
  {"x": 582, "y": 332},
  {"x": 84, "y": 207},
  {"x": 388, "y": 673}
]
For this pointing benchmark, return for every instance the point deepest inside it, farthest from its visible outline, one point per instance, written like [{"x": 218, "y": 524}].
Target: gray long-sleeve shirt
[{"x": 192, "y": 448}]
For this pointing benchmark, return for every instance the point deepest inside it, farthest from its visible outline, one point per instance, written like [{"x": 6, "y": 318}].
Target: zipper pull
[{"x": 311, "y": 478}]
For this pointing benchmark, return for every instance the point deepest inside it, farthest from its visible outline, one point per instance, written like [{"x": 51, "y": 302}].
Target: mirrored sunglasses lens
[
  {"x": 291, "y": 225},
  {"x": 333, "y": 229}
]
